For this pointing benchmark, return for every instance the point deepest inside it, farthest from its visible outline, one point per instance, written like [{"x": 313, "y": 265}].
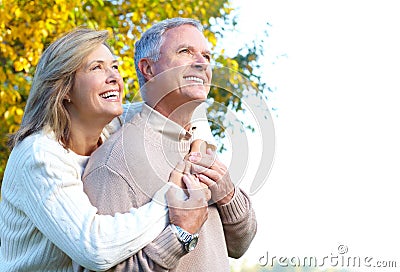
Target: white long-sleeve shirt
[{"x": 46, "y": 219}]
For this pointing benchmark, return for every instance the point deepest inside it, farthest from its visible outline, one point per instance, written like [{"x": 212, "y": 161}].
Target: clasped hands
[{"x": 205, "y": 179}]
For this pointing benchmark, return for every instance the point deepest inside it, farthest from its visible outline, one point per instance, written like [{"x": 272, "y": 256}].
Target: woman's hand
[{"x": 189, "y": 214}]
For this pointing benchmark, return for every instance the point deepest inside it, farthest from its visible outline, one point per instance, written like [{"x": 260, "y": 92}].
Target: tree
[{"x": 27, "y": 27}]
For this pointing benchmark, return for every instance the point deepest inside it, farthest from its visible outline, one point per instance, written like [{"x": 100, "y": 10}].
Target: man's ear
[{"x": 145, "y": 68}]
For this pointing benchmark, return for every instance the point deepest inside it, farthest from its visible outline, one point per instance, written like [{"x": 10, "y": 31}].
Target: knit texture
[
  {"x": 126, "y": 171},
  {"x": 46, "y": 219}
]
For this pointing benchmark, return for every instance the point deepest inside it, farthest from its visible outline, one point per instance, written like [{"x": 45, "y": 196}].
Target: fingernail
[{"x": 193, "y": 158}]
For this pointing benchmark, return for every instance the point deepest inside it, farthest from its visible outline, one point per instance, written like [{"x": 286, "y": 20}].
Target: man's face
[{"x": 184, "y": 66}]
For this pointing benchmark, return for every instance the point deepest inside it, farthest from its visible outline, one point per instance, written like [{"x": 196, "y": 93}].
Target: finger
[
  {"x": 212, "y": 147},
  {"x": 205, "y": 160},
  {"x": 219, "y": 167},
  {"x": 187, "y": 167},
  {"x": 176, "y": 174},
  {"x": 206, "y": 191},
  {"x": 206, "y": 180},
  {"x": 172, "y": 200},
  {"x": 190, "y": 182},
  {"x": 198, "y": 169},
  {"x": 208, "y": 194},
  {"x": 195, "y": 189},
  {"x": 198, "y": 146},
  {"x": 210, "y": 173},
  {"x": 210, "y": 151}
]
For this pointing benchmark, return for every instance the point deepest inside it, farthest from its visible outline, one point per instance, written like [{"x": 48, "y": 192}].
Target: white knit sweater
[{"x": 46, "y": 219}]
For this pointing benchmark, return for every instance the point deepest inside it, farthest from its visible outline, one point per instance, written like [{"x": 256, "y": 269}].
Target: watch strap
[
  {"x": 188, "y": 240},
  {"x": 182, "y": 234}
]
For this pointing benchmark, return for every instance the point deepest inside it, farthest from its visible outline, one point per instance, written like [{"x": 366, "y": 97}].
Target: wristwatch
[{"x": 189, "y": 241}]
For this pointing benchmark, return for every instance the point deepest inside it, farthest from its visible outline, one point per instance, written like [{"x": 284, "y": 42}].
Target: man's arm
[
  {"x": 234, "y": 206},
  {"x": 239, "y": 223}
]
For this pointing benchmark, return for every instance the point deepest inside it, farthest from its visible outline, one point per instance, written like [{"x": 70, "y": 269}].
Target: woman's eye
[
  {"x": 116, "y": 67},
  {"x": 96, "y": 67}
]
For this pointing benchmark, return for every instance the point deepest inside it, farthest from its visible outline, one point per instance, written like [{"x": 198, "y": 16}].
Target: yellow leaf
[
  {"x": 19, "y": 112},
  {"x": 18, "y": 66},
  {"x": 17, "y": 13}
]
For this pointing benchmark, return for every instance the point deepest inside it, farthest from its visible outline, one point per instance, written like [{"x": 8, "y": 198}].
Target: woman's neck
[{"x": 85, "y": 140}]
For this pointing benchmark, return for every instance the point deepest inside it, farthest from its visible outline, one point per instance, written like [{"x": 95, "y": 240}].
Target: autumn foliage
[{"x": 27, "y": 27}]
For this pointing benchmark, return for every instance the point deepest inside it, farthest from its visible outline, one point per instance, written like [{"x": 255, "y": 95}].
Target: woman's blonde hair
[{"x": 53, "y": 80}]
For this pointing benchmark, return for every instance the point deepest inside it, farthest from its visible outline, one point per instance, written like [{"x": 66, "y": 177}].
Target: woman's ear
[
  {"x": 67, "y": 98},
  {"x": 146, "y": 68}
]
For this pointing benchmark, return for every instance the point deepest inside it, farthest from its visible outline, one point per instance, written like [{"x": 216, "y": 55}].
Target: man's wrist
[
  {"x": 225, "y": 200},
  {"x": 188, "y": 240}
]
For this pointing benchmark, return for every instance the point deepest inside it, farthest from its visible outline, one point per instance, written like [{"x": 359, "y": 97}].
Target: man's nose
[{"x": 200, "y": 62}]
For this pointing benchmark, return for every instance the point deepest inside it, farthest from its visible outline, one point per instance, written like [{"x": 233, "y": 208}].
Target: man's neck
[{"x": 181, "y": 115}]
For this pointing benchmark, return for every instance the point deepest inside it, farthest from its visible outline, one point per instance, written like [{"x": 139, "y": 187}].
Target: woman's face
[{"x": 96, "y": 96}]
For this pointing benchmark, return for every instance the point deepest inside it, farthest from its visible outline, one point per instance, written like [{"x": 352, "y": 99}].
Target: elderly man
[{"x": 173, "y": 64}]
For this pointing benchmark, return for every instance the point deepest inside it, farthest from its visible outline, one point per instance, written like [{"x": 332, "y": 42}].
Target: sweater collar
[{"x": 162, "y": 124}]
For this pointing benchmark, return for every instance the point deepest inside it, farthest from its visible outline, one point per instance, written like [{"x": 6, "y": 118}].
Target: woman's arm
[{"x": 52, "y": 197}]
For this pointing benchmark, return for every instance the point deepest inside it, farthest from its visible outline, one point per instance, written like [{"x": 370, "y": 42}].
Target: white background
[{"x": 335, "y": 68}]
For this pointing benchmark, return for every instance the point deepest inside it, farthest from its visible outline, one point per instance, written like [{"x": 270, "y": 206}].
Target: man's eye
[
  {"x": 185, "y": 50},
  {"x": 207, "y": 57}
]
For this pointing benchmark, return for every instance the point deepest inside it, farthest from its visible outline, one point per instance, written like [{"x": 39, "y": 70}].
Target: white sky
[{"x": 336, "y": 171}]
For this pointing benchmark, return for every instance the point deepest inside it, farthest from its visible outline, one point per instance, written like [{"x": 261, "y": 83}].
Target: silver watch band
[{"x": 182, "y": 234}]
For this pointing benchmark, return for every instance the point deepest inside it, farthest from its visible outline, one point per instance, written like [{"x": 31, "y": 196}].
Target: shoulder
[
  {"x": 41, "y": 155},
  {"x": 129, "y": 111},
  {"x": 37, "y": 145}
]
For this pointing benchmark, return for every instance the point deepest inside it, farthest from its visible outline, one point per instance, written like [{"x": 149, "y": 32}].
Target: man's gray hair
[{"x": 150, "y": 43}]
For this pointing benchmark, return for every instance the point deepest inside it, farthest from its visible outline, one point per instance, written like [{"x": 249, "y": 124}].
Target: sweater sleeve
[
  {"x": 53, "y": 198},
  {"x": 239, "y": 223},
  {"x": 161, "y": 255}
]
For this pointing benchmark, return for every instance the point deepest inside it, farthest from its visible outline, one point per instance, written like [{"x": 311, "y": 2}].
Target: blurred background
[{"x": 326, "y": 73}]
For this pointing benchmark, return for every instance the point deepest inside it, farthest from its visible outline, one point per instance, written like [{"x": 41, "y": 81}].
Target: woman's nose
[{"x": 113, "y": 75}]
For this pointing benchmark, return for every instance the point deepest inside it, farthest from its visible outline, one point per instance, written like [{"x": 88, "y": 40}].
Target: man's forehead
[
  {"x": 181, "y": 30},
  {"x": 177, "y": 38}
]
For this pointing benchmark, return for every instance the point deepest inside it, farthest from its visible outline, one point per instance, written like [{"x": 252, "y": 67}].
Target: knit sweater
[
  {"x": 137, "y": 161},
  {"x": 46, "y": 219}
]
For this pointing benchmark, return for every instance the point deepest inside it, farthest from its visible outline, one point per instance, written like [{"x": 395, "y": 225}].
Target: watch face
[{"x": 192, "y": 244}]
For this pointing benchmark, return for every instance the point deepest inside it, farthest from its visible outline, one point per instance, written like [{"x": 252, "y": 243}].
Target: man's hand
[
  {"x": 189, "y": 214},
  {"x": 214, "y": 174}
]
